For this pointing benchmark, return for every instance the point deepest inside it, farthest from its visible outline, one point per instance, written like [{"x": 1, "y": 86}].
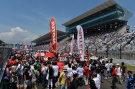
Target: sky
[{"x": 26, "y": 20}]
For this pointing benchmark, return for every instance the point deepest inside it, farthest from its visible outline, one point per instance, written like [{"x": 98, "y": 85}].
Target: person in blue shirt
[{"x": 130, "y": 80}]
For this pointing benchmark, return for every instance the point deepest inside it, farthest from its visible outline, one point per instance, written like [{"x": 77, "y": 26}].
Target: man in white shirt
[
  {"x": 107, "y": 65},
  {"x": 119, "y": 73},
  {"x": 56, "y": 72},
  {"x": 70, "y": 72},
  {"x": 96, "y": 80}
]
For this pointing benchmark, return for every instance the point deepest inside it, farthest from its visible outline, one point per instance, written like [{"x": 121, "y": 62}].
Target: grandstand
[
  {"x": 44, "y": 41},
  {"x": 105, "y": 30},
  {"x": 104, "y": 26}
]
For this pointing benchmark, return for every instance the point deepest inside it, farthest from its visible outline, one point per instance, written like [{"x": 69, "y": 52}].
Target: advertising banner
[
  {"x": 53, "y": 33},
  {"x": 80, "y": 42}
]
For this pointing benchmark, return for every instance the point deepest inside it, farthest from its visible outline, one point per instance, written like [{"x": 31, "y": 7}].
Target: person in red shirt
[
  {"x": 86, "y": 74},
  {"x": 114, "y": 75}
]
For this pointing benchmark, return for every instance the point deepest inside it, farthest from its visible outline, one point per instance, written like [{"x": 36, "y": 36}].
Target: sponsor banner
[
  {"x": 80, "y": 41},
  {"x": 53, "y": 33},
  {"x": 72, "y": 45}
]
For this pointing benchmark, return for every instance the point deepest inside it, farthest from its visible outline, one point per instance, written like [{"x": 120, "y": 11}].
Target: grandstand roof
[
  {"x": 101, "y": 7},
  {"x": 1, "y": 42},
  {"x": 47, "y": 36}
]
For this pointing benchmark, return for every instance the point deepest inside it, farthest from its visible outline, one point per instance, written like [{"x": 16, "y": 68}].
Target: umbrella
[
  {"x": 94, "y": 57},
  {"x": 39, "y": 54},
  {"x": 48, "y": 54}
]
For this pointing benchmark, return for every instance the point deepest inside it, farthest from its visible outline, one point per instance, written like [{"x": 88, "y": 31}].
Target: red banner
[{"x": 53, "y": 33}]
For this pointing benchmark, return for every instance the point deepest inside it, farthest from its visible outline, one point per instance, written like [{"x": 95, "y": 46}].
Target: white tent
[{"x": 94, "y": 57}]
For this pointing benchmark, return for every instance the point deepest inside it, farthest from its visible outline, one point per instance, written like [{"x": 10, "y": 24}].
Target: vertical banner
[
  {"x": 53, "y": 33},
  {"x": 72, "y": 45},
  {"x": 80, "y": 41}
]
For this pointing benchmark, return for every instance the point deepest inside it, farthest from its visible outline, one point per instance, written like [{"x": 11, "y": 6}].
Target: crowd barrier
[
  {"x": 124, "y": 55},
  {"x": 5, "y": 53}
]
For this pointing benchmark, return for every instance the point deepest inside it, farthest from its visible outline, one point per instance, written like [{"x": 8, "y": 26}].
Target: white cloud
[{"x": 16, "y": 35}]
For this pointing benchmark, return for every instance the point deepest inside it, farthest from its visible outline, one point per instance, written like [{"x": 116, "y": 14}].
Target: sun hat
[{"x": 118, "y": 64}]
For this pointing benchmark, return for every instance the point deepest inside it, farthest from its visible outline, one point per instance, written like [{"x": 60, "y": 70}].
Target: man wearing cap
[
  {"x": 62, "y": 78},
  {"x": 119, "y": 72}
]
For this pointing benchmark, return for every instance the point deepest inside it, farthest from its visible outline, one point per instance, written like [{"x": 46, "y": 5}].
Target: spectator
[
  {"x": 74, "y": 83},
  {"x": 62, "y": 79},
  {"x": 123, "y": 67},
  {"x": 119, "y": 70},
  {"x": 114, "y": 75},
  {"x": 80, "y": 72},
  {"x": 86, "y": 74},
  {"x": 130, "y": 80},
  {"x": 56, "y": 72}
]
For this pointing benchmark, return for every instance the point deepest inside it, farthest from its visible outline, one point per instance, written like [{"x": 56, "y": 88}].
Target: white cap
[{"x": 118, "y": 64}]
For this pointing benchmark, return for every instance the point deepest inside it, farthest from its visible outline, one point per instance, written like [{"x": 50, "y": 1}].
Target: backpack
[{"x": 37, "y": 65}]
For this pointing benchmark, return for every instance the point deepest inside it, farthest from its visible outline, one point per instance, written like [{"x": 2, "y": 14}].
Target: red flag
[{"x": 53, "y": 33}]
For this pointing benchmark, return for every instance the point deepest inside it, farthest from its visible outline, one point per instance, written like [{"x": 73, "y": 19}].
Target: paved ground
[{"x": 105, "y": 85}]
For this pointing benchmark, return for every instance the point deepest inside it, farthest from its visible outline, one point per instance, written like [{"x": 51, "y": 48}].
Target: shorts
[
  {"x": 27, "y": 83},
  {"x": 19, "y": 85},
  {"x": 107, "y": 72}
]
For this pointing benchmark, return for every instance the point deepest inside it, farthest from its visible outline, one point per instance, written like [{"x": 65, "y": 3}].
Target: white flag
[
  {"x": 80, "y": 41},
  {"x": 72, "y": 45}
]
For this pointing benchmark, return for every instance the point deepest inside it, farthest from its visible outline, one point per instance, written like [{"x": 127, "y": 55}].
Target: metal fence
[{"x": 5, "y": 54}]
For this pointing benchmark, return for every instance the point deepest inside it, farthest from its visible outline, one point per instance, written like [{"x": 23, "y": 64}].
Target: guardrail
[{"x": 6, "y": 54}]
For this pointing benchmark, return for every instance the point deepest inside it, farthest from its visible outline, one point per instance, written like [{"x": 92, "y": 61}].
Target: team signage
[
  {"x": 80, "y": 41},
  {"x": 53, "y": 33}
]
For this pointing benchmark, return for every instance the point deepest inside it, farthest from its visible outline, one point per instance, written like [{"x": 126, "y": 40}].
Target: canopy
[
  {"x": 94, "y": 57},
  {"x": 50, "y": 55},
  {"x": 39, "y": 54}
]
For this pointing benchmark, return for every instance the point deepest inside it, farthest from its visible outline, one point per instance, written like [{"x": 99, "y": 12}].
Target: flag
[
  {"x": 72, "y": 45},
  {"x": 53, "y": 33},
  {"x": 80, "y": 41}
]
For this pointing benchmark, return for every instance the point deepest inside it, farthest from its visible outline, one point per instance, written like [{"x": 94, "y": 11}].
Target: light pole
[
  {"x": 87, "y": 45},
  {"x": 120, "y": 50},
  {"x": 107, "y": 51}
]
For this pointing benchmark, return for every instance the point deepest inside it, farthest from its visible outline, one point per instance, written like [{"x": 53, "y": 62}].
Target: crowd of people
[{"x": 24, "y": 71}]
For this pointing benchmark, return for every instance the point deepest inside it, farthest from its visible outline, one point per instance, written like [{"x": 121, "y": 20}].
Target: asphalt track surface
[{"x": 105, "y": 85}]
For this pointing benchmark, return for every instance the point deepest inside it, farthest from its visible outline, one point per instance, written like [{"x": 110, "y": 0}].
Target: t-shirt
[
  {"x": 118, "y": 71},
  {"x": 69, "y": 72},
  {"x": 107, "y": 66},
  {"x": 123, "y": 69},
  {"x": 97, "y": 82},
  {"x": 114, "y": 72},
  {"x": 26, "y": 73},
  {"x": 62, "y": 78},
  {"x": 86, "y": 71},
  {"x": 80, "y": 71},
  {"x": 56, "y": 70},
  {"x": 44, "y": 70}
]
